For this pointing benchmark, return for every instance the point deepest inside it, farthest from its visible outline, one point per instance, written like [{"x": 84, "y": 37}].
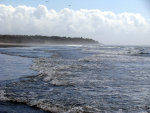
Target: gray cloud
[{"x": 106, "y": 27}]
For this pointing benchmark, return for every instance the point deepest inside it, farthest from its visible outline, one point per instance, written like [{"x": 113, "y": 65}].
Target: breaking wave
[{"x": 138, "y": 51}]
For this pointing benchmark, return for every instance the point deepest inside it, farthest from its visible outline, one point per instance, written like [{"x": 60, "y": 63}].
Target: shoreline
[{"x": 6, "y": 45}]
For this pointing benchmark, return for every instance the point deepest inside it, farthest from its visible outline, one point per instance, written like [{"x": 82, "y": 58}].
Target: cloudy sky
[{"x": 116, "y": 22}]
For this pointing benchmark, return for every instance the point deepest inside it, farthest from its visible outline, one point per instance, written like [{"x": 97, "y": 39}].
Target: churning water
[{"x": 74, "y": 79}]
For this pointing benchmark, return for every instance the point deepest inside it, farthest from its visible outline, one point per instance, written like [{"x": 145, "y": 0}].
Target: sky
[{"x": 113, "y": 22}]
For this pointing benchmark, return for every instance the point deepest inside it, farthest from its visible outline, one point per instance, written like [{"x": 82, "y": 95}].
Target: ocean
[{"x": 75, "y": 79}]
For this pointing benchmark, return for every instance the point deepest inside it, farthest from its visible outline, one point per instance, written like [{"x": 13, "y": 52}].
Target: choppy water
[{"x": 71, "y": 79}]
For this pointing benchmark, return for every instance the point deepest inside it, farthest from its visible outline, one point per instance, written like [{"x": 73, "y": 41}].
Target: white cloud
[{"x": 106, "y": 27}]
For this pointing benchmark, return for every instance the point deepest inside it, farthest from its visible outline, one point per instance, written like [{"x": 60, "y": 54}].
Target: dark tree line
[{"x": 28, "y": 39}]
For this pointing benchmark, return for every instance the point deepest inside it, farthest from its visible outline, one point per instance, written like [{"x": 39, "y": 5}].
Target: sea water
[{"x": 76, "y": 79}]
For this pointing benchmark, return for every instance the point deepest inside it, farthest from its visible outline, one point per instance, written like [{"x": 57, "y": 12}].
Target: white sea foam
[
  {"x": 75, "y": 45},
  {"x": 84, "y": 109},
  {"x": 58, "y": 108},
  {"x": 61, "y": 71},
  {"x": 2, "y": 96},
  {"x": 52, "y": 70},
  {"x": 47, "y": 106}
]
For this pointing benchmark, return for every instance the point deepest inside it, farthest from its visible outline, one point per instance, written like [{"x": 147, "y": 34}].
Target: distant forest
[{"x": 37, "y": 39}]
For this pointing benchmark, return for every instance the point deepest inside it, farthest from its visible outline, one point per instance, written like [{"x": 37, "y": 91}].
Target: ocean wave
[
  {"x": 54, "y": 71},
  {"x": 2, "y": 96},
  {"x": 139, "y": 51},
  {"x": 55, "y": 108},
  {"x": 58, "y": 107},
  {"x": 31, "y": 98},
  {"x": 60, "y": 71}
]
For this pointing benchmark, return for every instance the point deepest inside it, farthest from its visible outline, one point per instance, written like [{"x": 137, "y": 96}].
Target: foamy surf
[
  {"x": 94, "y": 79},
  {"x": 2, "y": 96}
]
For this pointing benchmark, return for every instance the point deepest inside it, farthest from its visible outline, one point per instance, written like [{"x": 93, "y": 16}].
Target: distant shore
[{"x": 25, "y": 40}]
